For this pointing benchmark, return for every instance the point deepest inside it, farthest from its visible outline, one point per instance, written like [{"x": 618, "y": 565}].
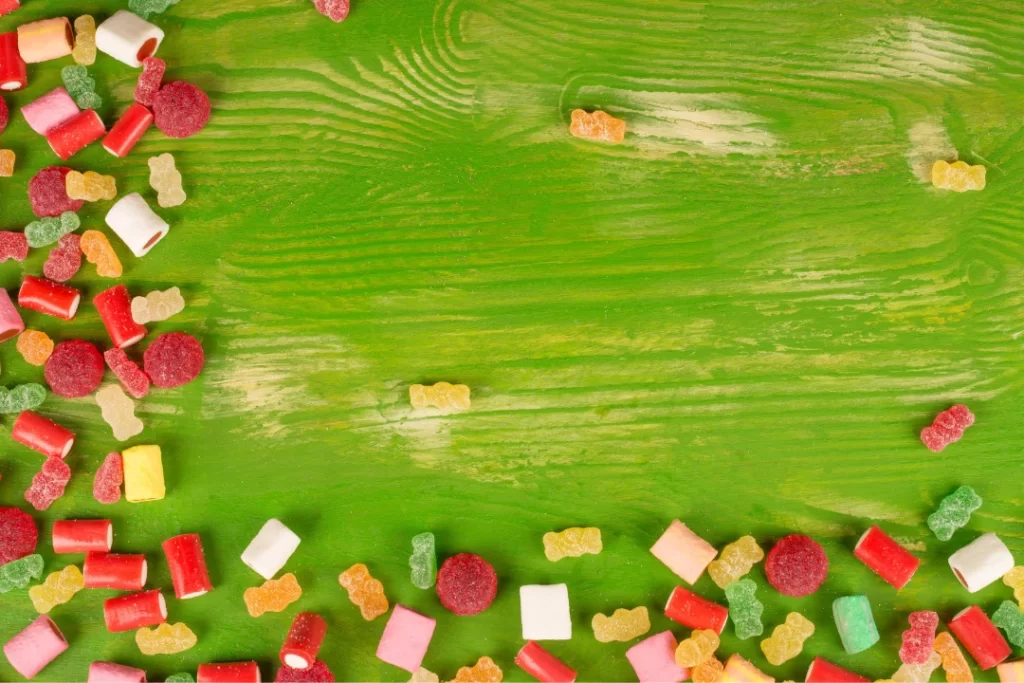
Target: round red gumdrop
[
  {"x": 3, "y": 114},
  {"x": 74, "y": 369},
  {"x": 181, "y": 109},
  {"x": 173, "y": 359},
  {"x": 48, "y": 194},
  {"x": 18, "y": 535},
  {"x": 796, "y": 566},
  {"x": 466, "y": 584}
]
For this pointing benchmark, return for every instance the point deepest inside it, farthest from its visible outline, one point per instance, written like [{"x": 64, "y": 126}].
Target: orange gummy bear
[
  {"x": 364, "y": 591},
  {"x": 708, "y": 671},
  {"x": 34, "y": 346},
  {"x": 273, "y": 596},
  {"x": 97, "y": 249},
  {"x": 7, "y": 158},
  {"x": 953, "y": 662},
  {"x": 597, "y": 126},
  {"x": 484, "y": 671}
]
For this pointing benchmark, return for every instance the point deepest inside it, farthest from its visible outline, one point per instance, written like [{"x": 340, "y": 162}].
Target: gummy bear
[
  {"x": 958, "y": 176},
  {"x": 64, "y": 259},
  {"x": 1009, "y": 618},
  {"x": 152, "y": 76},
  {"x": 1015, "y": 580},
  {"x": 735, "y": 562},
  {"x": 698, "y": 648},
  {"x": 7, "y": 159},
  {"x": 441, "y": 395},
  {"x": 48, "y": 484},
  {"x": 573, "y": 542},
  {"x": 146, "y": 7},
  {"x": 131, "y": 376},
  {"x": 708, "y": 671},
  {"x": 948, "y": 427},
  {"x": 597, "y": 126},
  {"x": 919, "y": 639},
  {"x": 954, "y": 512},
  {"x": 917, "y": 673},
  {"x": 335, "y": 10},
  {"x": 744, "y": 609},
  {"x": 81, "y": 86},
  {"x": 180, "y": 678},
  {"x": 85, "y": 41},
  {"x": 90, "y": 186},
  {"x": 157, "y": 306},
  {"x": 28, "y": 396},
  {"x": 166, "y": 180},
  {"x": 48, "y": 230},
  {"x": 787, "y": 640},
  {"x": 423, "y": 561},
  {"x": 484, "y": 671},
  {"x": 953, "y": 662},
  {"x": 98, "y": 251},
  {"x": 119, "y": 412},
  {"x": 424, "y": 676},
  {"x": 106, "y": 485},
  {"x": 623, "y": 625},
  {"x": 58, "y": 588},
  {"x": 273, "y": 596},
  {"x": 364, "y": 591},
  {"x": 165, "y": 639},
  {"x": 13, "y": 245},
  {"x": 19, "y": 573}
]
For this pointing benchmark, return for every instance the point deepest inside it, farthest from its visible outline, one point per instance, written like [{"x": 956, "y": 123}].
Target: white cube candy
[
  {"x": 136, "y": 224},
  {"x": 128, "y": 38},
  {"x": 271, "y": 548},
  {"x": 545, "y": 612},
  {"x": 981, "y": 562}
]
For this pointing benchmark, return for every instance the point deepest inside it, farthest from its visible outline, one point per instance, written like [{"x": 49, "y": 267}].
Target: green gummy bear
[
  {"x": 1009, "y": 618},
  {"x": 146, "y": 7},
  {"x": 17, "y": 574},
  {"x": 81, "y": 86},
  {"x": 180, "y": 678},
  {"x": 423, "y": 561},
  {"x": 744, "y": 609},
  {"x": 954, "y": 512},
  {"x": 22, "y": 397},
  {"x": 48, "y": 230}
]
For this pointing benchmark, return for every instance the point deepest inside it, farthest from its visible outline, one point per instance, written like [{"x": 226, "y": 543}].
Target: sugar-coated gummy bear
[
  {"x": 744, "y": 609},
  {"x": 1009, "y": 618},
  {"x": 736, "y": 561},
  {"x": 166, "y": 180},
  {"x": 623, "y": 625},
  {"x": 954, "y": 512},
  {"x": 180, "y": 678},
  {"x": 146, "y": 7},
  {"x": 466, "y": 584},
  {"x": 948, "y": 427},
  {"x": 131, "y": 376},
  {"x": 335, "y": 10},
  {"x": 106, "y": 485},
  {"x": 13, "y": 245},
  {"x": 953, "y": 661},
  {"x": 787, "y": 640},
  {"x": 424, "y": 676},
  {"x": 81, "y": 86},
  {"x": 18, "y": 534},
  {"x": 441, "y": 395},
  {"x": 157, "y": 305},
  {"x": 423, "y": 561},
  {"x": 173, "y": 360},
  {"x": 318, "y": 672},
  {"x": 19, "y": 573},
  {"x": 708, "y": 671},
  {"x": 7, "y": 160},
  {"x": 958, "y": 176},
  {"x": 1015, "y": 580},
  {"x": 47, "y": 192},
  {"x": 85, "y": 40},
  {"x": 597, "y": 126},
  {"x": 74, "y": 369},
  {"x": 90, "y": 186},
  {"x": 364, "y": 591},
  {"x": 58, "y": 588},
  {"x": 696, "y": 649},
  {"x": 484, "y": 671},
  {"x": 165, "y": 639},
  {"x": 572, "y": 542},
  {"x": 98, "y": 251},
  {"x": 48, "y": 484},
  {"x": 917, "y": 673},
  {"x": 796, "y": 565},
  {"x": 273, "y": 596},
  {"x": 919, "y": 639},
  {"x": 181, "y": 110},
  {"x": 152, "y": 76},
  {"x": 28, "y": 396},
  {"x": 64, "y": 259},
  {"x": 44, "y": 231},
  {"x": 119, "y": 412}
]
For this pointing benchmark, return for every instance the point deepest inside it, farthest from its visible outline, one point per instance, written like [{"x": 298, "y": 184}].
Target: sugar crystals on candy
[
  {"x": 796, "y": 565},
  {"x": 623, "y": 625},
  {"x": 958, "y": 176},
  {"x": 335, "y": 10},
  {"x": 954, "y": 512},
  {"x": 736, "y": 561},
  {"x": 466, "y": 584},
  {"x": 44, "y": 231},
  {"x": 90, "y": 186},
  {"x": 58, "y": 588},
  {"x": 173, "y": 360},
  {"x": 166, "y": 180},
  {"x": 919, "y": 639},
  {"x": 106, "y": 485},
  {"x": 19, "y": 573},
  {"x": 148, "y": 85},
  {"x": 131, "y": 376},
  {"x": 597, "y": 126},
  {"x": 364, "y": 591},
  {"x": 47, "y": 192},
  {"x": 64, "y": 259},
  {"x": 18, "y": 534},
  {"x": 273, "y": 596},
  {"x": 157, "y": 305},
  {"x": 98, "y": 251},
  {"x": 28, "y": 396},
  {"x": 744, "y": 608},
  {"x": 423, "y": 561},
  {"x": 573, "y": 542},
  {"x": 165, "y": 639},
  {"x": 48, "y": 484},
  {"x": 74, "y": 369},
  {"x": 484, "y": 671},
  {"x": 787, "y": 640},
  {"x": 84, "y": 51},
  {"x": 13, "y": 245},
  {"x": 948, "y": 427},
  {"x": 119, "y": 412},
  {"x": 181, "y": 109}
]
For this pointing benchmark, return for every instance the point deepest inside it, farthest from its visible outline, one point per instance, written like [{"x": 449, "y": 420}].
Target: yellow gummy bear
[
  {"x": 698, "y": 648},
  {"x": 708, "y": 671},
  {"x": 165, "y": 639},
  {"x": 736, "y": 561},
  {"x": 958, "y": 176},
  {"x": 441, "y": 395},
  {"x": 787, "y": 640},
  {"x": 953, "y": 662},
  {"x": 573, "y": 542},
  {"x": 273, "y": 596},
  {"x": 597, "y": 126},
  {"x": 917, "y": 673},
  {"x": 484, "y": 671},
  {"x": 90, "y": 186},
  {"x": 119, "y": 412},
  {"x": 424, "y": 676},
  {"x": 364, "y": 591},
  {"x": 1013, "y": 578},
  {"x": 623, "y": 625},
  {"x": 97, "y": 250},
  {"x": 157, "y": 306},
  {"x": 85, "y": 40},
  {"x": 166, "y": 180},
  {"x": 58, "y": 588}
]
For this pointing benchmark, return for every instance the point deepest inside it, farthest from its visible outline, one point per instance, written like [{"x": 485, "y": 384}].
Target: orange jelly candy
[
  {"x": 273, "y": 596},
  {"x": 484, "y": 671},
  {"x": 597, "y": 126},
  {"x": 34, "y": 346},
  {"x": 97, "y": 249},
  {"x": 364, "y": 591}
]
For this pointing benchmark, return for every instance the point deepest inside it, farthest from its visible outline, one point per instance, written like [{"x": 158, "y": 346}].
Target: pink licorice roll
[
  {"x": 885, "y": 557},
  {"x": 116, "y": 572},
  {"x": 41, "y": 41},
  {"x": 44, "y": 296},
  {"x": 50, "y": 111},
  {"x": 130, "y": 612},
  {"x": 109, "y": 672},
  {"x": 229, "y": 672},
  {"x": 824, "y": 671},
  {"x": 75, "y": 134},
  {"x": 542, "y": 665},
  {"x": 36, "y": 646},
  {"x": 693, "y": 611},
  {"x": 13, "y": 72},
  {"x": 11, "y": 324},
  {"x": 115, "y": 308},
  {"x": 304, "y": 640},
  {"x": 187, "y": 563},
  {"x": 40, "y": 434},
  {"x": 128, "y": 130},
  {"x": 980, "y": 637},
  {"x": 82, "y": 536}
]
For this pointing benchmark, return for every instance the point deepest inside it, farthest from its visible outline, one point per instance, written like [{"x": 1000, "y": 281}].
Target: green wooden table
[{"x": 741, "y": 317}]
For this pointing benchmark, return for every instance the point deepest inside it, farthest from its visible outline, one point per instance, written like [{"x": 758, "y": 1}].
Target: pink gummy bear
[
  {"x": 948, "y": 427},
  {"x": 48, "y": 485},
  {"x": 919, "y": 639},
  {"x": 106, "y": 487}
]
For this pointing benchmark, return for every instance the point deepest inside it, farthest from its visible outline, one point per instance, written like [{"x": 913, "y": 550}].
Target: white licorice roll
[
  {"x": 271, "y": 548},
  {"x": 981, "y": 562},
  {"x": 128, "y": 38},
  {"x": 136, "y": 224}
]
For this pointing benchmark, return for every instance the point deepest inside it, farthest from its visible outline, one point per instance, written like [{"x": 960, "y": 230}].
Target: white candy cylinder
[
  {"x": 136, "y": 224},
  {"x": 981, "y": 562},
  {"x": 128, "y": 38},
  {"x": 271, "y": 548}
]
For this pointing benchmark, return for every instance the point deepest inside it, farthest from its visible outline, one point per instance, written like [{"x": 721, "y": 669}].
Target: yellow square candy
[{"x": 143, "y": 474}]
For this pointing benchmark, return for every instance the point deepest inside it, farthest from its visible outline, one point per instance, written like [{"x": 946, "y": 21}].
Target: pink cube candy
[
  {"x": 36, "y": 646},
  {"x": 50, "y": 111},
  {"x": 684, "y": 552},
  {"x": 405, "y": 639},
  {"x": 109, "y": 672},
  {"x": 654, "y": 660}
]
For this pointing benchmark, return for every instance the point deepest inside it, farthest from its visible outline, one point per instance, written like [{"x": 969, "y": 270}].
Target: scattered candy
[
  {"x": 544, "y": 611},
  {"x": 98, "y": 251},
  {"x": 303, "y": 641},
  {"x": 187, "y": 564},
  {"x": 958, "y": 176},
  {"x": 824, "y": 671},
  {"x": 953, "y": 662},
  {"x": 13, "y": 245},
  {"x": 405, "y": 639},
  {"x": 317, "y": 673},
  {"x": 623, "y": 625},
  {"x": 134, "y": 222},
  {"x": 115, "y": 571},
  {"x": 50, "y": 298},
  {"x": 7, "y": 160},
  {"x": 684, "y": 552},
  {"x": 948, "y": 427},
  {"x": 42, "y": 435},
  {"x": 466, "y": 584},
  {"x": 1009, "y": 618},
  {"x": 148, "y": 85},
  {"x": 82, "y": 536},
  {"x": 744, "y": 608},
  {"x": 115, "y": 309},
  {"x": 796, "y": 566},
  {"x": 547, "y": 668},
  {"x": 273, "y": 596},
  {"x": 21, "y": 398},
  {"x": 165, "y": 639},
  {"x": 84, "y": 51},
  {"x": 335, "y": 10},
  {"x": 709, "y": 671},
  {"x": 424, "y": 676},
  {"x": 13, "y": 73},
  {"x": 980, "y": 637},
  {"x": 954, "y": 512},
  {"x": 44, "y": 231},
  {"x": 76, "y": 134},
  {"x": 106, "y": 486},
  {"x": 48, "y": 484},
  {"x": 484, "y": 671},
  {"x": 131, "y": 612},
  {"x": 919, "y": 639},
  {"x": 787, "y": 640},
  {"x": 128, "y": 38},
  {"x": 235, "y": 672},
  {"x": 181, "y": 109},
  {"x": 1015, "y": 580},
  {"x": 11, "y": 323},
  {"x": 146, "y": 7},
  {"x": 166, "y": 180},
  {"x": 109, "y": 672},
  {"x": 736, "y": 561},
  {"x": 81, "y": 86},
  {"x": 442, "y": 395},
  {"x": 128, "y": 130},
  {"x": 143, "y": 474},
  {"x": 49, "y": 112},
  {"x": 597, "y": 126},
  {"x": 35, "y": 646},
  {"x": 58, "y": 588},
  {"x": 47, "y": 192},
  {"x": 739, "y": 670},
  {"x": 42, "y": 41},
  {"x": 74, "y": 369},
  {"x": 90, "y": 186},
  {"x": 981, "y": 562},
  {"x": 855, "y": 623},
  {"x": 118, "y": 411},
  {"x": 365, "y": 592},
  {"x": 885, "y": 557},
  {"x": 423, "y": 561},
  {"x": 20, "y": 573},
  {"x": 693, "y": 611},
  {"x": 65, "y": 259},
  {"x": 697, "y": 649},
  {"x": 573, "y": 542},
  {"x": 271, "y": 548}
]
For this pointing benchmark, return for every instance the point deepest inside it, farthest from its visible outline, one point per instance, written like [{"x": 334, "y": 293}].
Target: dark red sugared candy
[
  {"x": 3, "y": 114},
  {"x": 48, "y": 194},
  {"x": 466, "y": 584},
  {"x": 13, "y": 245},
  {"x": 65, "y": 259},
  {"x": 318, "y": 673},
  {"x": 74, "y": 369},
  {"x": 335, "y": 10},
  {"x": 173, "y": 359},
  {"x": 181, "y": 109},
  {"x": 797, "y": 565},
  {"x": 18, "y": 535}
]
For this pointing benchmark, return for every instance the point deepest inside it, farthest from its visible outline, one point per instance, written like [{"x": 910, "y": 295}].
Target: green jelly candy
[
  {"x": 744, "y": 609},
  {"x": 80, "y": 86},
  {"x": 1009, "y": 618},
  {"x": 423, "y": 561},
  {"x": 48, "y": 230},
  {"x": 17, "y": 574},
  {"x": 181, "y": 678},
  {"x": 146, "y": 7},
  {"x": 954, "y": 512},
  {"x": 855, "y": 623},
  {"x": 22, "y": 397}
]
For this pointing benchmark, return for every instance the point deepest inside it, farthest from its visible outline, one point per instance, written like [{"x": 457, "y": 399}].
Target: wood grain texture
[{"x": 741, "y": 317}]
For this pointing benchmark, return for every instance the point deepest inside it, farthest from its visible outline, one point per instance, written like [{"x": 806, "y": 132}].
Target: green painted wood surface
[{"x": 741, "y": 317}]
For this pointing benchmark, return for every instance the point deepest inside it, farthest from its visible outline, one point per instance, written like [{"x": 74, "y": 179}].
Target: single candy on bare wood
[
  {"x": 166, "y": 180},
  {"x": 948, "y": 427},
  {"x": 597, "y": 126}
]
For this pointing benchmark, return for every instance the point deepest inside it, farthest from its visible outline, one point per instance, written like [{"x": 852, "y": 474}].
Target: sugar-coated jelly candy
[
  {"x": 918, "y": 673},
  {"x": 335, "y": 10},
  {"x": 958, "y": 176},
  {"x": 954, "y": 512},
  {"x": 954, "y": 664},
  {"x": 484, "y": 671},
  {"x": 131, "y": 376},
  {"x": 165, "y": 639},
  {"x": 74, "y": 369},
  {"x": 45, "y": 231},
  {"x": 572, "y": 542},
  {"x": 19, "y": 573},
  {"x": 796, "y": 565},
  {"x": 1015, "y": 580},
  {"x": 919, "y": 639},
  {"x": 7, "y": 159},
  {"x": 744, "y": 608},
  {"x": 90, "y": 186},
  {"x": 423, "y": 561},
  {"x": 466, "y": 584},
  {"x": 119, "y": 412},
  {"x": 157, "y": 305},
  {"x": 787, "y": 640},
  {"x": 65, "y": 259},
  {"x": 146, "y": 7},
  {"x": 442, "y": 395},
  {"x": 106, "y": 485},
  {"x": 1009, "y": 618},
  {"x": 735, "y": 561},
  {"x": 364, "y": 591},
  {"x": 166, "y": 180},
  {"x": 181, "y": 109},
  {"x": 98, "y": 251},
  {"x": 598, "y": 126},
  {"x": 273, "y": 596},
  {"x": 23, "y": 397},
  {"x": 13, "y": 245},
  {"x": 948, "y": 427},
  {"x": 84, "y": 52},
  {"x": 58, "y": 588},
  {"x": 708, "y": 671},
  {"x": 698, "y": 648},
  {"x": 18, "y": 534},
  {"x": 173, "y": 360},
  {"x": 148, "y": 85},
  {"x": 81, "y": 86},
  {"x": 48, "y": 484},
  {"x": 623, "y": 625},
  {"x": 47, "y": 192}
]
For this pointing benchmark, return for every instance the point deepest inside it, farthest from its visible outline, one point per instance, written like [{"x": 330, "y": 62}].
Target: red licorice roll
[
  {"x": 128, "y": 130},
  {"x": 115, "y": 308},
  {"x": 229, "y": 672},
  {"x": 82, "y": 536},
  {"x": 116, "y": 572},
  {"x": 130, "y": 612},
  {"x": 40, "y": 434},
  {"x": 693, "y": 611},
  {"x": 187, "y": 563},
  {"x": 75, "y": 134},
  {"x": 304, "y": 640},
  {"x": 13, "y": 74},
  {"x": 542, "y": 665},
  {"x": 51, "y": 298},
  {"x": 824, "y": 671},
  {"x": 885, "y": 557},
  {"x": 980, "y": 637}
]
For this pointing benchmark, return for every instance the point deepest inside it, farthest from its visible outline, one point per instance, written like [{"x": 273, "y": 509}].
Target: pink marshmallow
[
  {"x": 654, "y": 660},
  {"x": 11, "y": 324},
  {"x": 36, "y": 646},
  {"x": 684, "y": 552},
  {"x": 405, "y": 639},
  {"x": 109, "y": 672},
  {"x": 49, "y": 111}
]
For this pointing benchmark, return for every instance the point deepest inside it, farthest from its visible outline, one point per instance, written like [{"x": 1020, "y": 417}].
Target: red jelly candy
[
  {"x": 48, "y": 485},
  {"x": 106, "y": 486},
  {"x": 13, "y": 245},
  {"x": 336, "y": 10},
  {"x": 181, "y": 109},
  {"x": 65, "y": 259},
  {"x": 948, "y": 427},
  {"x": 131, "y": 375},
  {"x": 919, "y": 639},
  {"x": 3, "y": 114},
  {"x": 18, "y": 535},
  {"x": 173, "y": 359},
  {"x": 48, "y": 193},
  {"x": 74, "y": 369},
  {"x": 318, "y": 673},
  {"x": 796, "y": 566},
  {"x": 149, "y": 80},
  {"x": 466, "y": 584}
]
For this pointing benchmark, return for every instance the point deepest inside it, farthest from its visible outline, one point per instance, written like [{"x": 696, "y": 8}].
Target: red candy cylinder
[
  {"x": 885, "y": 557},
  {"x": 980, "y": 637},
  {"x": 130, "y": 612},
  {"x": 116, "y": 572},
  {"x": 229, "y": 672},
  {"x": 75, "y": 134},
  {"x": 43, "y": 296},
  {"x": 13, "y": 74},
  {"x": 115, "y": 308},
  {"x": 304, "y": 640},
  {"x": 40, "y": 434},
  {"x": 695, "y": 612},
  {"x": 824, "y": 671},
  {"x": 542, "y": 665},
  {"x": 82, "y": 536},
  {"x": 188, "y": 566},
  {"x": 128, "y": 130}
]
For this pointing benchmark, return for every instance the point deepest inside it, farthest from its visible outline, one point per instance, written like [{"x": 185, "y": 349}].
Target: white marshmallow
[
  {"x": 545, "y": 612},
  {"x": 136, "y": 224},
  {"x": 981, "y": 562},
  {"x": 128, "y": 38},
  {"x": 271, "y": 548}
]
